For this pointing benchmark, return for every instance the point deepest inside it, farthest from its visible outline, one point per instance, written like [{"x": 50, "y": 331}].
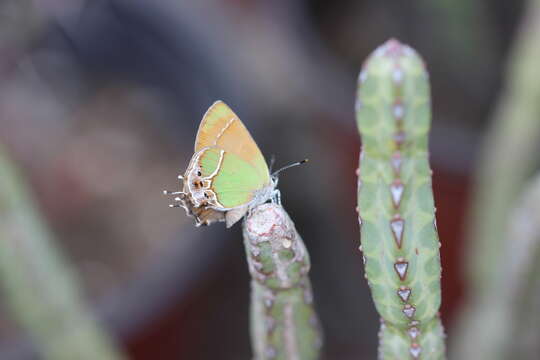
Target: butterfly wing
[
  {"x": 233, "y": 180},
  {"x": 203, "y": 215},
  {"x": 227, "y": 171},
  {"x": 221, "y": 128}
]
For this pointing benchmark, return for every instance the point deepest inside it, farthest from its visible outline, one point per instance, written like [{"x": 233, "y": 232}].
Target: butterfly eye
[
  {"x": 199, "y": 173},
  {"x": 206, "y": 195}
]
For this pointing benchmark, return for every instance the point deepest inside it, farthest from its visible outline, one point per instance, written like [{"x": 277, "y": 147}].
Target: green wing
[
  {"x": 234, "y": 180},
  {"x": 223, "y": 129}
]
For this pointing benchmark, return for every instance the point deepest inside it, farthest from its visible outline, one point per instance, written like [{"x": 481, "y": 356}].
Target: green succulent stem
[
  {"x": 509, "y": 154},
  {"x": 284, "y": 324},
  {"x": 39, "y": 286},
  {"x": 506, "y": 323},
  {"x": 517, "y": 284},
  {"x": 396, "y": 210}
]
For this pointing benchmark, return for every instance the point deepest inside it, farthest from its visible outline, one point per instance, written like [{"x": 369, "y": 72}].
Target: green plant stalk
[
  {"x": 284, "y": 324},
  {"x": 38, "y": 285},
  {"x": 395, "y": 203},
  {"x": 508, "y": 157},
  {"x": 504, "y": 322},
  {"x": 526, "y": 345},
  {"x": 519, "y": 282}
]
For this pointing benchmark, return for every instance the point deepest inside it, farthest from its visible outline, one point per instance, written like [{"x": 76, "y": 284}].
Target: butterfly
[{"x": 227, "y": 175}]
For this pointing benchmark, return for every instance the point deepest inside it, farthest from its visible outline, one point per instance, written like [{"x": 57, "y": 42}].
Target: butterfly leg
[
  {"x": 178, "y": 199},
  {"x": 276, "y": 197},
  {"x": 167, "y": 192}
]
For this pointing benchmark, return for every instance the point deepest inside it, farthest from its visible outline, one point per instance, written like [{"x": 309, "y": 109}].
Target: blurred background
[{"x": 100, "y": 101}]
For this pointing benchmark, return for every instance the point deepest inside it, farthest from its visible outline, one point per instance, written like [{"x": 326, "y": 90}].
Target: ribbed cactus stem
[
  {"x": 39, "y": 286},
  {"x": 284, "y": 324},
  {"x": 399, "y": 237}
]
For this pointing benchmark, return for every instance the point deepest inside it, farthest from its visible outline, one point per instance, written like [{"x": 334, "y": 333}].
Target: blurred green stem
[
  {"x": 284, "y": 324},
  {"x": 505, "y": 323},
  {"x": 39, "y": 286},
  {"x": 523, "y": 275},
  {"x": 508, "y": 156},
  {"x": 485, "y": 329}
]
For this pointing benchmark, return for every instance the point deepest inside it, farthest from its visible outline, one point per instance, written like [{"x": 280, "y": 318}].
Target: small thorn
[
  {"x": 404, "y": 293},
  {"x": 167, "y": 192},
  {"x": 397, "y": 225},
  {"x": 362, "y": 76},
  {"x": 180, "y": 177},
  {"x": 177, "y": 199},
  {"x": 268, "y": 302},
  {"x": 399, "y": 138},
  {"x": 398, "y": 111},
  {"x": 401, "y": 267},
  {"x": 174, "y": 206},
  {"x": 397, "y": 75},
  {"x": 409, "y": 311},
  {"x": 396, "y": 162},
  {"x": 415, "y": 350},
  {"x": 393, "y": 47},
  {"x": 396, "y": 190},
  {"x": 413, "y": 332}
]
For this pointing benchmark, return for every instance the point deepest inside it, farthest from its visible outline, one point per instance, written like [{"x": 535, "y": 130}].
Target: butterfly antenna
[{"x": 275, "y": 173}]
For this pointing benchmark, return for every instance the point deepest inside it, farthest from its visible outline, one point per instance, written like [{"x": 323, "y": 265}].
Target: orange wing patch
[{"x": 222, "y": 128}]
